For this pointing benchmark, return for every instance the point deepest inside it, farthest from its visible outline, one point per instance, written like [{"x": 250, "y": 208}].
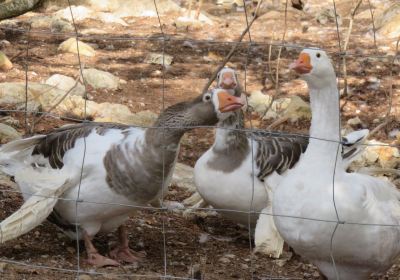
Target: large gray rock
[
  {"x": 66, "y": 83},
  {"x": 100, "y": 79}
]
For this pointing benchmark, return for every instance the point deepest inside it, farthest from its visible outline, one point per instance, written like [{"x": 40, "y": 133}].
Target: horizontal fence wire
[{"x": 165, "y": 38}]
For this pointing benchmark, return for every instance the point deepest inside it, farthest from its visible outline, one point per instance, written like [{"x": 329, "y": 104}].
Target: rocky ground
[{"x": 124, "y": 83}]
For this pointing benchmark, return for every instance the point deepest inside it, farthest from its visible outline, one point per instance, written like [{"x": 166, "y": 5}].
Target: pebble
[
  {"x": 224, "y": 260},
  {"x": 203, "y": 238},
  {"x": 84, "y": 277},
  {"x": 3, "y": 266}
]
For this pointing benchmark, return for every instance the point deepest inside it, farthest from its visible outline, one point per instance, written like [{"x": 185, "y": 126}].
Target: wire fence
[{"x": 247, "y": 48}]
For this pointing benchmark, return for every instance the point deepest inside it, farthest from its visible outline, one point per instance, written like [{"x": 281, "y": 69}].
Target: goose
[
  {"x": 122, "y": 168},
  {"x": 224, "y": 174},
  {"x": 308, "y": 191}
]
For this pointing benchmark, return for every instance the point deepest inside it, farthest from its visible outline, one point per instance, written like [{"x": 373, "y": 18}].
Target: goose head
[
  {"x": 206, "y": 109},
  {"x": 227, "y": 79},
  {"x": 225, "y": 103},
  {"x": 315, "y": 67}
]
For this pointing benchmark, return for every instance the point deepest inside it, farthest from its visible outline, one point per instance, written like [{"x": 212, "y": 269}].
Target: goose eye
[
  {"x": 318, "y": 55},
  {"x": 207, "y": 97}
]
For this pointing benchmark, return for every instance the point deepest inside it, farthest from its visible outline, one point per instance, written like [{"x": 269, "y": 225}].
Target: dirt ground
[{"x": 221, "y": 249}]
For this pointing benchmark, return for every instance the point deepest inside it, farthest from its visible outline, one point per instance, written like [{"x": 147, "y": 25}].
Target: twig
[
  {"x": 232, "y": 51},
  {"x": 389, "y": 110},
  {"x": 346, "y": 43},
  {"x": 277, "y": 65},
  {"x": 277, "y": 122},
  {"x": 373, "y": 23}
]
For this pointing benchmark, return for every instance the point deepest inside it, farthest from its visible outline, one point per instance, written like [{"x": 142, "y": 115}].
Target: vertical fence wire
[
  {"x": 78, "y": 200},
  {"x": 250, "y": 215},
  {"x": 164, "y": 215}
]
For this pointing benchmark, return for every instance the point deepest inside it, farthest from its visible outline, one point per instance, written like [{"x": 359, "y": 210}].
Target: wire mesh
[{"x": 165, "y": 39}]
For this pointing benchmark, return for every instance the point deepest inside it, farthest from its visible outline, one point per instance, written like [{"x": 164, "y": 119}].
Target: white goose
[
  {"x": 223, "y": 174},
  {"x": 307, "y": 191},
  {"x": 122, "y": 167}
]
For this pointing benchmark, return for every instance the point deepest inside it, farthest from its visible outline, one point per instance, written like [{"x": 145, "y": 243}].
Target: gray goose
[
  {"x": 223, "y": 174},
  {"x": 123, "y": 168}
]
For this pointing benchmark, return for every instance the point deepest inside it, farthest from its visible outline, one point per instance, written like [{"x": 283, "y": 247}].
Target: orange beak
[
  {"x": 228, "y": 81},
  {"x": 228, "y": 103},
  {"x": 302, "y": 65}
]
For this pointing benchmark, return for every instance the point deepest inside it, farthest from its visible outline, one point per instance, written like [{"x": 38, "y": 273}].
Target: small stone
[
  {"x": 69, "y": 46},
  {"x": 8, "y": 133},
  {"x": 71, "y": 250},
  {"x": 36, "y": 233},
  {"x": 5, "y": 63},
  {"x": 17, "y": 247},
  {"x": 85, "y": 277},
  {"x": 3, "y": 266},
  {"x": 158, "y": 58},
  {"x": 4, "y": 44},
  {"x": 224, "y": 260},
  {"x": 203, "y": 238},
  {"x": 8, "y": 120},
  {"x": 354, "y": 121}
]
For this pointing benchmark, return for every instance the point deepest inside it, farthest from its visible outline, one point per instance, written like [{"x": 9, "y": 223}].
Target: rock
[
  {"x": 203, "y": 238},
  {"x": 8, "y": 133},
  {"x": 110, "y": 18},
  {"x": 100, "y": 79},
  {"x": 173, "y": 206},
  {"x": 12, "y": 93},
  {"x": 5, "y": 63},
  {"x": 373, "y": 83},
  {"x": 56, "y": 24},
  {"x": 8, "y": 120},
  {"x": 4, "y": 44},
  {"x": 66, "y": 83},
  {"x": 387, "y": 21},
  {"x": 224, "y": 260},
  {"x": 183, "y": 177},
  {"x": 69, "y": 46},
  {"x": 328, "y": 15},
  {"x": 297, "y": 109},
  {"x": 378, "y": 154},
  {"x": 80, "y": 13},
  {"x": 61, "y": 25},
  {"x": 3, "y": 266},
  {"x": 85, "y": 277},
  {"x": 354, "y": 121},
  {"x": 259, "y": 102},
  {"x": 157, "y": 58},
  {"x": 293, "y": 108}
]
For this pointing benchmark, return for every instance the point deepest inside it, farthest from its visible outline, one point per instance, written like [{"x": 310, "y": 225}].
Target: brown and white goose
[
  {"x": 122, "y": 168},
  {"x": 319, "y": 190},
  {"x": 238, "y": 161}
]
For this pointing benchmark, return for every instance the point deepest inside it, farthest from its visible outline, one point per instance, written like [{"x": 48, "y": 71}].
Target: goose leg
[
  {"x": 93, "y": 256},
  {"x": 122, "y": 252}
]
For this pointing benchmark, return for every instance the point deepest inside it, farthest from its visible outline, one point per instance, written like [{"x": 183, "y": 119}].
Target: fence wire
[{"x": 163, "y": 209}]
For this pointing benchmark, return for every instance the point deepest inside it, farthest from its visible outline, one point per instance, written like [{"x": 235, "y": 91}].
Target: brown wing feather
[
  {"x": 277, "y": 153},
  {"x": 56, "y": 143}
]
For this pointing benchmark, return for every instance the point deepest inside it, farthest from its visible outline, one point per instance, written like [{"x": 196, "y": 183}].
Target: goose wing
[
  {"x": 277, "y": 153},
  {"x": 54, "y": 145}
]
